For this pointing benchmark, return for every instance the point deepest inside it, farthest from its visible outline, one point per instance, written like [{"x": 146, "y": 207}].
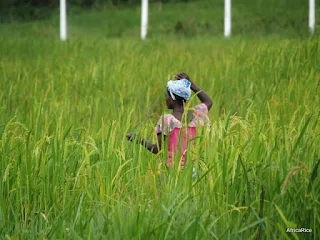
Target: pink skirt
[{"x": 175, "y": 142}]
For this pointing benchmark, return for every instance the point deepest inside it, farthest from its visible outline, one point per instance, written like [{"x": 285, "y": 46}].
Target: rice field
[{"x": 68, "y": 172}]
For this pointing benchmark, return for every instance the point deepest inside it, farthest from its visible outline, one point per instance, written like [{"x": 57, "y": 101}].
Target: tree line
[{"x": 40, "y": 9}]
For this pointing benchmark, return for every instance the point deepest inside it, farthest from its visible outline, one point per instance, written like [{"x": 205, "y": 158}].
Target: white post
[
  {"x": 311, "y": 15},
  {"x": 227, "y": 18},
  {"x": 144, "y": 19},
  {"x": 63, "y": 20}
]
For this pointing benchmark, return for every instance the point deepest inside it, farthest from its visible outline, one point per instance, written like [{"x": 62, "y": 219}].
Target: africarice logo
[{"x": 295, "y": 230}]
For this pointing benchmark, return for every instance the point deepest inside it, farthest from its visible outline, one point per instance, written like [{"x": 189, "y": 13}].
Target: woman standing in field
[{"x": 171, "y": 126}]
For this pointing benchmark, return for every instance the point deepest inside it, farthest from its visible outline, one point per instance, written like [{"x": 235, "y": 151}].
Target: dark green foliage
[
  {"x": 121, "y": 18},
  {"x": 40, "y": 9}
]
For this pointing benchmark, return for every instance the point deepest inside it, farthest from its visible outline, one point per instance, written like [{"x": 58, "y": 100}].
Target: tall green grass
[{"x": 67, "y": 170}]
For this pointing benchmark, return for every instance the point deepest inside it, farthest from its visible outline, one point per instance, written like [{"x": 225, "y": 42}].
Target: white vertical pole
[
  {"x": 144, "y": 19},
  {"x": 227, "y": 18},
  {"x": 311, "y": 15},
  {"x": 63, "y": 20}
]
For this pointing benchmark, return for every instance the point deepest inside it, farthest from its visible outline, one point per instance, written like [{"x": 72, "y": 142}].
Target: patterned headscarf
[{"x": 180, "y": 88}]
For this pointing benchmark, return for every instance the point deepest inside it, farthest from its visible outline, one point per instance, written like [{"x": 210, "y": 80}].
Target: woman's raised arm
[{"x": 204, "y": 98}]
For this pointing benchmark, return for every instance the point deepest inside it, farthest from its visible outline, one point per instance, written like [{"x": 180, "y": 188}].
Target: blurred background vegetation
[
  {"x": 187, "y": 18},
  {"x": 40, "y": 9}
]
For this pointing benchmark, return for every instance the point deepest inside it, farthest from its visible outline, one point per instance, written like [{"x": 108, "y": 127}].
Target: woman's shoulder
[
  {"x": 201, "y": 107},
  {"x": 167, "y": 117},
  {"x": 200, "y": 116},
  {"x": 169, "y": 120},
  {"x": 167, "y": 123}
]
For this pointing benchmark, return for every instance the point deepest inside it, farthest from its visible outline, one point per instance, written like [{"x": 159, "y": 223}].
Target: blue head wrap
[{"x": 180, "y": 88}]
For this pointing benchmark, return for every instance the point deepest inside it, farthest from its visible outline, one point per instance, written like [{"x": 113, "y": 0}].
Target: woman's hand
[
  {"x": 182, "y": 75},
  {"x": 130, "y": 137}
]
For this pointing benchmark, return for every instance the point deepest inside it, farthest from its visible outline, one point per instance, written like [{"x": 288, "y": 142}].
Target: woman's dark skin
[{"x": 177, "y": 111}]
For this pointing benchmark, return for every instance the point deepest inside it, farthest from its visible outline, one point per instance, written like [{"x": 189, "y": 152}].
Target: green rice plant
[{"x": 67, "y": 171}]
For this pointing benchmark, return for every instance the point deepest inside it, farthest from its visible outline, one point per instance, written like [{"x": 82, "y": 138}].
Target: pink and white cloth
[{"x": 176, "y": 131}]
